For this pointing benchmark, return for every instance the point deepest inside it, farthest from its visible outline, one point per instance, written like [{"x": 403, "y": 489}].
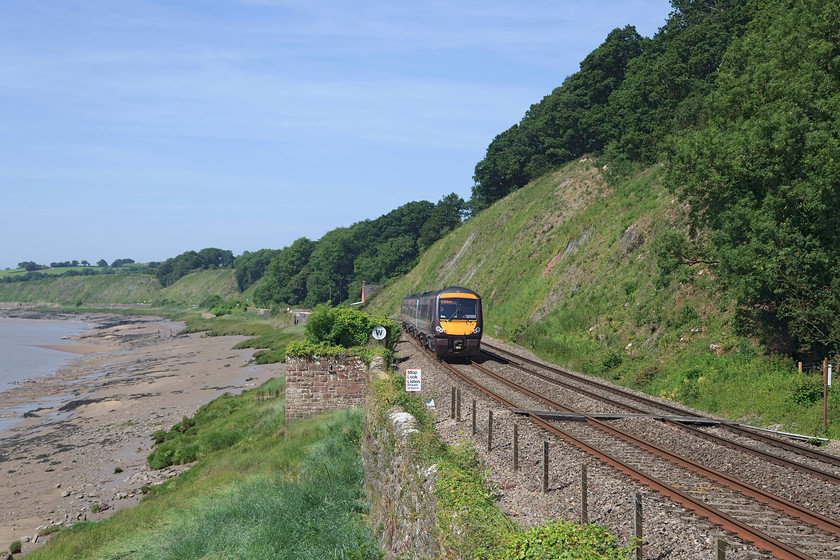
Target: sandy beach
[{"x": 130, "y": 376}]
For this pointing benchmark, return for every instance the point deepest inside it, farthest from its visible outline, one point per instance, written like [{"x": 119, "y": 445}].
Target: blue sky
[{"x": 143, "y": 129}]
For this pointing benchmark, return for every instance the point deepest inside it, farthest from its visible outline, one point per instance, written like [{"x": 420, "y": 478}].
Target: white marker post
[
  {"x": 379, "y": 333},
  {"x": 413, "y": 380}
]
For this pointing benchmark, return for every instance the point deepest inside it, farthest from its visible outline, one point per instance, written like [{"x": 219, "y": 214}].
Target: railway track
[
  {"x": 779, "y": 526},
  {"x": 812, "y": 462}
]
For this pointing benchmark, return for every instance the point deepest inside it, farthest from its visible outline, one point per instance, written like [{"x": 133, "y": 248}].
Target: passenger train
[{"x": 447, "y": 321}]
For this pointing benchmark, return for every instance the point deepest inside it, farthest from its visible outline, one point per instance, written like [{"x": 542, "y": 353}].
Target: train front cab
[{"x": 457, "y": 324}]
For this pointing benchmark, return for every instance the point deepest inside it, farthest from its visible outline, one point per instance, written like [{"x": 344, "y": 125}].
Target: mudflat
[{"x": 80, "y": 438}]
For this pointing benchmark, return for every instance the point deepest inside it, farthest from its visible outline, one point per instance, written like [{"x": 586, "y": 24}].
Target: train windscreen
[{"x": 458, "y": 308}]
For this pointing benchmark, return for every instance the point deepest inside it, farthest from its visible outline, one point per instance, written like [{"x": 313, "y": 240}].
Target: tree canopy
[
  {"x": 762, "y": 173},
  {"x": 175, "y": 268},
  {"x": 629, "y": 94},
  {"x": 333, "y": 268}
]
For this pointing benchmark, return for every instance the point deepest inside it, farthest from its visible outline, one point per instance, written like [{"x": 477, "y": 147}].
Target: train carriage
[{"x": 447, "y": 321}]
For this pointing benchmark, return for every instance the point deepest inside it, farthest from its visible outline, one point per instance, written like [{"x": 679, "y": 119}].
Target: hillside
[
  {"x": 552, "y": 260},
  {"x": 123, "y": 288},
  {"x": 76, "y": 290},
  {"x": 567, "y": 267}
]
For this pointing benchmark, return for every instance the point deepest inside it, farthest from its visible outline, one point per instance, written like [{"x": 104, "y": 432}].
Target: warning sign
[{"x": 413, "y": 380}]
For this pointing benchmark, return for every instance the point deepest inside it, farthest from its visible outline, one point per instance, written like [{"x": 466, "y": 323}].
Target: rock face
[{"x": 401, "y": 491}]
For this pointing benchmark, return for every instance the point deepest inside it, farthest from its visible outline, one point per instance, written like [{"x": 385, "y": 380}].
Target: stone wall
[
  {"x": 323, "y": 384},
  {"x": 401, "y": 491}
]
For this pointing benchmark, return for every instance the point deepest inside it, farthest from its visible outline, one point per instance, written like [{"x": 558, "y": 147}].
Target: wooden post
[
  {"x": 584, "y": 515},
  {"x": 489, "y": 430},
  {"x": 473, "y": 417},
  {"x": 458, "y": 405},
  {"x": 515, "y": 447},
  {"x": 545, "y": 467},
  {"x": 637, "y": 524},
  {"x": 720, "y": 549},
  {"x": 800, "y": 367},
  {"x": 452, "y": 408}
]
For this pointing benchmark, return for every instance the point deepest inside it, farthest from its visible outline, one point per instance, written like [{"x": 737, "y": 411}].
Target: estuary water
[{"x": 20, "y": 356}]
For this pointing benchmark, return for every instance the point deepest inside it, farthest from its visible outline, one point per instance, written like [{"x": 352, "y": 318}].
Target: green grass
[
  {"x": 83, "y": 290},
  {"x": 248, "y": 324},
  {"x": 272, "y": 344},
  {"x": 50, "y": 271},
  {"x": 267, "y": 491},
  {"x": 125, "y": 286}
]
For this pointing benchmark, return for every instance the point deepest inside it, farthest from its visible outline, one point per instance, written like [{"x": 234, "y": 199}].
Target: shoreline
[{"x": 74, "y": 429}]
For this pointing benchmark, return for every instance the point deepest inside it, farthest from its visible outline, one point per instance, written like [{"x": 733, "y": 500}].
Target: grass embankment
[
  {"x": 567, "y": 267},
  {"x": 124, "y": 287},
  {"x": 260, "y": 489},
  {"x": 83, "y": 290}
]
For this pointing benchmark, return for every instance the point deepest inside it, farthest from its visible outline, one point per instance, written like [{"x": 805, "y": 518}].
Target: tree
[
  {"x": 445, "y": 217},
  {"x": 250, "y": 267},
  {"x": 666, "y": 85},
  {"x": 332, "y": 265},
  {"x": 282, "y": 281},
  {"x": 762, "y": 174},
  {"x": 571, "y": 121},
  {"x": 31, "y": 266},
  {"x": 102, "y": 262},
  {"x": 212, "y": 258}
]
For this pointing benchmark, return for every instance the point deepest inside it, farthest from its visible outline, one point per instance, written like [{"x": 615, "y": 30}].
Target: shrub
[
  {"x": 807, "y": 390},
  {"x": 560, "y": 540},
  {"x": 613, "y": 360},
  {"x": 337, "y": 326},
  {"x": 15, "y": 547}
]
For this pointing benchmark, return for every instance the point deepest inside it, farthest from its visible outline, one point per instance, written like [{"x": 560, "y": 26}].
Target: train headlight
[
  {"x": 439, "y": 329},
  {"x": 476, "y": 330}
]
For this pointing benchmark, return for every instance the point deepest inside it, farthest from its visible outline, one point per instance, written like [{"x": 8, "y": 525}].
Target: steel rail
[
  {"x": 813, "y": 518},
  {"x": 764, "y": 455},
  {"x": 733, "y": 427},
  {"x": 741, "y": 530}
]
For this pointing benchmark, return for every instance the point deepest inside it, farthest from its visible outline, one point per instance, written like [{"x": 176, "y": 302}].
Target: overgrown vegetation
[
  {"x": 217, "y": 425},
  {"x": 742, "y": 97},
  {"x": 266, "y": 491},
  {"x": 565, "y": 541},
  {"x": 761, "y": 176},
  {"x": 331, "y": 331},
  {"x": 629, "y": 94},
  {"x": 272, "y": 344}
]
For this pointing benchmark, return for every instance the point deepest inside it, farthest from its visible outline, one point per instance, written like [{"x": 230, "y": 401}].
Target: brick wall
[{"x": 319, "y": 385}]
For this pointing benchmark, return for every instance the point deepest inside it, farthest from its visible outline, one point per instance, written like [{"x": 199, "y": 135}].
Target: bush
[
  {"x": 346, "y": 327},
  {"x": 561, "y": 540},
  {"x": 15, "y": 547},
  {"x": 807, "y": 390}
]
